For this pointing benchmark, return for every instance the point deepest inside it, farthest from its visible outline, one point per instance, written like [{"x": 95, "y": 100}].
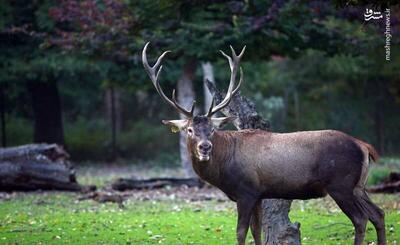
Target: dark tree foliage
[
  {"x": 308, "y": 65},
  {"x": 382, "y": 3}
]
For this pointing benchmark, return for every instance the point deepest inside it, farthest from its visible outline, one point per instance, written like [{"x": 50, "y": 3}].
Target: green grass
[{"x": 57, "y": 218}]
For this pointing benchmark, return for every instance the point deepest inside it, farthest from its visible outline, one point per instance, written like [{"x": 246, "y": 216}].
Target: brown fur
[
  {"x": 373, "y": 153},
  {"x": 250, "y": 165}
]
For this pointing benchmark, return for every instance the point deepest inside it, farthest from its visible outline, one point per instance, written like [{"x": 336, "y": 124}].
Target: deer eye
[{"x": 190, "y": 131}]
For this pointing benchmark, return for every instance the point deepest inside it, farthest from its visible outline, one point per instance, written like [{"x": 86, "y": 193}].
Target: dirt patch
[{"x": 182, "y": 193}]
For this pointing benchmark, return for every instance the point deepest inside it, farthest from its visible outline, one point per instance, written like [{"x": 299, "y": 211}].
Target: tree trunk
[
  {"x": 37, "y": 166},
  {"x": 185, "y": 98},
  {"x": 296, "y": 106},
  {"x": 277, "y": 227},
  {"x": 208, "y": 74},
  {"x": 3, "y": 117},
  {"x": 379, "y": 120},
  {"x": 48, "y": 127},
  {"x": 285, "y": 110},
  {"x": 113, "y": 108},
  {"x": 276, "y": 223}
]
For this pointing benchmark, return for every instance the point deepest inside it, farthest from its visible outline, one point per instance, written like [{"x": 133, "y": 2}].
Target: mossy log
[{"x": 37, "y": 167}]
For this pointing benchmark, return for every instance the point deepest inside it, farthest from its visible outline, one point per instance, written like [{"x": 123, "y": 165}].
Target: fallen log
[
  {"x": 393, "y": 187},
  {"x": 37, "y": 167},
  {"x": 393, "y": 177},
  {"x": 390, "y": 185},
  {"x": 123, "y": 184}
]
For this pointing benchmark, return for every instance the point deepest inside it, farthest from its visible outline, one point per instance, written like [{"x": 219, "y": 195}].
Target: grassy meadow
[{"x": 166, "y": 216}]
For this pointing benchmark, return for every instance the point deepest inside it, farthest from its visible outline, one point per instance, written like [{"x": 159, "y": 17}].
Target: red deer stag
[{"x": 250, "y": 165}]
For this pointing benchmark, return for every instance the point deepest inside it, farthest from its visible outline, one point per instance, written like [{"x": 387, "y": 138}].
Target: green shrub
[
  {"x": 168, "y": 158},
  {"x": 91, "y": 140},
  {"x": 378, "y": 174},
  {"x": 392, "y": 162},
  {"x": 148, "y": 141},
  {"x": 19, "y": 131},
  {"x": 87, "y": 140}
]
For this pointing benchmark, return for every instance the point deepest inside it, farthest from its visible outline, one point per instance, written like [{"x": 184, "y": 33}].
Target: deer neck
[{"x": 221, "y": 155}]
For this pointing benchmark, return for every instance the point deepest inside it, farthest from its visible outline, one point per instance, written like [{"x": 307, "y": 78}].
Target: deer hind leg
[
  {"x": 376, "y": 216},
  {"x": 350, "y": 205},
  {"x": 255, "y": 223},
  {"x": 374, "y": 213},
  {"x": 244, "y": 208}
]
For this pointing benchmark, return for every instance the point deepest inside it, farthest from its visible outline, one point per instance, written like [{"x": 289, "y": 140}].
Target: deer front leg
[
  {"x": 255, "y": 223},
  {"x": 244, "y": 208}
]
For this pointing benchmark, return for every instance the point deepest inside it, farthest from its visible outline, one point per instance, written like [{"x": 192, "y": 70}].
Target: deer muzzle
[{"x": 204, "y": 148}]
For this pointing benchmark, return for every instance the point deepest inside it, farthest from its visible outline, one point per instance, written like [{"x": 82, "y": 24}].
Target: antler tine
[
  {"x": 210, "y": 110},
  {"x": 239, "y": 83},
  {"x": 233, "y": 64},
  {"x": 232, "y": 67},
  {"x": 180, "y": 107},
  {"x": 241, "y": 52},
  {"x": 151, "y": 70},
  {"x": 209, "y": 113},
  {"x": 229, "y": 59},
  {"x": 154, "y": 73}
]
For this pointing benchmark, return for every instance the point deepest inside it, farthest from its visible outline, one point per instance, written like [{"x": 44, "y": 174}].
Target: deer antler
[
  {"x": 154, "y": 72},
  {"x": 233, "y": 64}
]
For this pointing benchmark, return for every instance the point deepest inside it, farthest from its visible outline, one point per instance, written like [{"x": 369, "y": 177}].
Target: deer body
[
  {"x": 251, "y": 165},
  {"x": 300, "y": 165}
]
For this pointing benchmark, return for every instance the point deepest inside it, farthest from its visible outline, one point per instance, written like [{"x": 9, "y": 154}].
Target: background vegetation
[
  {"x": 308, "y": 65},
  {"x": 71, "y": 73}
]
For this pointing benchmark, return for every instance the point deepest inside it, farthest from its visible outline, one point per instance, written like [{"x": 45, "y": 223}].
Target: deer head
[{"x": 199, "y": 128}]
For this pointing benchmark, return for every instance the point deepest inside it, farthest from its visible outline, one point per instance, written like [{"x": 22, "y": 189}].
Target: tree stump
[
  {"x": 277, "y": 226},
  {"x": 37, "y": 167}
]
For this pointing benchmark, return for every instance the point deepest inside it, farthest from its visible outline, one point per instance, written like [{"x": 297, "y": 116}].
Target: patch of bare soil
[
  {"x": 182, "y": 193},
  {"x": 6, "y": 196}
]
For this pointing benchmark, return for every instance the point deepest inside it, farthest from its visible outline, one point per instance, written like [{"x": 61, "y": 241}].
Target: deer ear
[
  {"x": 220, "y": 122},
  {"x": 176, "y": 125}
]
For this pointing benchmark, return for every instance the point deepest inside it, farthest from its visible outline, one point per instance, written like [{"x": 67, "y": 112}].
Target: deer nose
[{"x": 205, "y": 146}]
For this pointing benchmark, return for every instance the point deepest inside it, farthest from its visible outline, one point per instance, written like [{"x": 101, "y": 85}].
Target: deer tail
[{"x": 373, "y": 153}]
